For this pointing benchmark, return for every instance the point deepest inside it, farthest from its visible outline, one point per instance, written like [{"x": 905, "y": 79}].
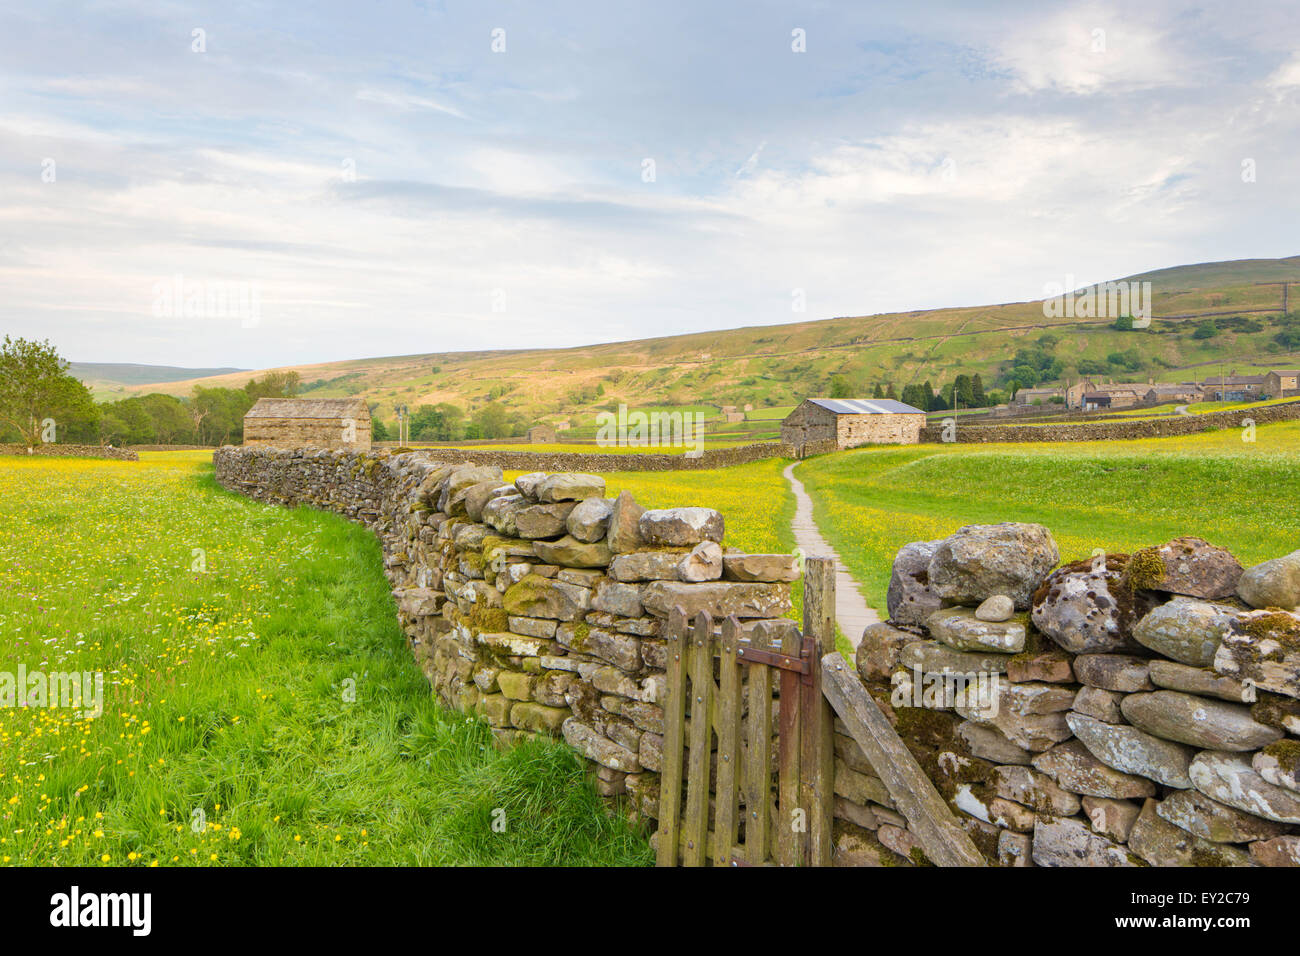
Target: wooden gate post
[{"x": 817, "y": 773}]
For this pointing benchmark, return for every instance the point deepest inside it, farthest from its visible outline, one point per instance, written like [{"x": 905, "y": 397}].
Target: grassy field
[
  {"x": 1118, "y": 495},
  {"x": 230, "y": 635}
]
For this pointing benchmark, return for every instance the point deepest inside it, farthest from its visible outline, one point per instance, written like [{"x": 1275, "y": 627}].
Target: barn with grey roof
[
  {"x": 340, "y": 423},
  {"x": 830, "y": 424}
]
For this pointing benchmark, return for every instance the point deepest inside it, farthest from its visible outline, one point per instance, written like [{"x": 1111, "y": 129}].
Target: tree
[
  {"x": 274, "y": 385},
  {"x": 1206, "y": 330},
  {"x": 219, "y": 414},
  {"x": 840, "y": 387},
  {"x": 493, "y": 420},
  {"x": 171, "y": 419},
  {"x": 879, "y": 392},
  {"x": 890, "y": 393},
  {"x": 1124, "y": 323},
  {"x": 964, "y": 391},
  {"x": 977, "y": 389},
  {"x": 35, "y": 386}
]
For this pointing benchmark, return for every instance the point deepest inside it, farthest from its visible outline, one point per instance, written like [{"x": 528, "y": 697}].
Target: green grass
[
  {"x": 1117, "y": 495},
  {"x": 755, "y": 499},
  {"x": 228, "y": 736}
]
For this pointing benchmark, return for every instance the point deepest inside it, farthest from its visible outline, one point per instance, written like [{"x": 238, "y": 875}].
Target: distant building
[
  {"x": 541, "y": 435},
  {"x": 1074, "y": 394},
  {"x": 1038, "y": 396},
  {"x": 822, "y": 424},
  {"x": 338, "y": 423},
  {"x": 562, "y": 426},
  {"x": 1121, "y": 394},
  {"x": 1234, "y": 388},
  {"x": 1183, "y": 393},
  {"x": 1282, "y": 384}
]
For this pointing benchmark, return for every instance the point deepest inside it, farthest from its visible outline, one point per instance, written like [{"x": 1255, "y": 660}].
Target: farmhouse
[
  {"x": 1038, "y": 396},
  {"x": 1282, "y": 383},
  {"x": 541, "y": 435},
  {"x": 1184, "y": 393},
  {"x": 309, "y": 423},
  {"x": 836, "y": 423},
  {"x": 1234, "y": 388}
]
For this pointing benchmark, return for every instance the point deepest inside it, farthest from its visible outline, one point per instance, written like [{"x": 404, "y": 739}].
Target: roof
[
  {"x": 309, "y": 408},
  {"x": 1122, "y": 387},
  {"x": 1183, "y": 387},
  {"x": 865, "y": 406},
  {"x": 1285, "y": 371},
  {"x": 1236, "y": 380}
]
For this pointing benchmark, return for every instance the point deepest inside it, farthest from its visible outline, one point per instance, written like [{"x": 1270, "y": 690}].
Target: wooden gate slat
[
  {"x": 670, "y": 781},
  {"x": 790, "y": 840},
  {"x": 695, "y": 824},
  {"x": 758, "y": 767},
  {"x": 928, "y": 816},
  {"x": 729, "y": 706},
  {"x": 817, "y": 761}
]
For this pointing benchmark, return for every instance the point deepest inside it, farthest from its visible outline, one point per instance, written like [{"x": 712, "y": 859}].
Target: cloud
[{"x": 912, "y": 158}]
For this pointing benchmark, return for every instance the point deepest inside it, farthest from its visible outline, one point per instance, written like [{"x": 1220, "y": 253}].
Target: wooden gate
[{"x": 727, "y": 688}]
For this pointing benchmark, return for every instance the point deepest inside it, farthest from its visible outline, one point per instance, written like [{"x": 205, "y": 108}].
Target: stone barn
[
  {"x": 830, "y": 424},
  {"x": 309, "y": 423},
  {"x": 541, "y": 435}
]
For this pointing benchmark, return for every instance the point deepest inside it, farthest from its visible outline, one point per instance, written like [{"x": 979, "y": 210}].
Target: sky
[{"x": 253, "y": 184}]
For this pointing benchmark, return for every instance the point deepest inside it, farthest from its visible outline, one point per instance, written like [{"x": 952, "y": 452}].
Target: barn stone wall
[
  {"x": 537, "y": 604},
  {"x": 305, "y": 432},
  {"x": 891, "y": 429}
]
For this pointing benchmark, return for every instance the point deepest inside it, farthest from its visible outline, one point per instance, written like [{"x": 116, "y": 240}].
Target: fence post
[{"x": 817, "y": 790}]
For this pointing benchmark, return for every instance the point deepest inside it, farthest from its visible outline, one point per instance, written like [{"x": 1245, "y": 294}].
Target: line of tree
[{"x": 40, "y": 402}]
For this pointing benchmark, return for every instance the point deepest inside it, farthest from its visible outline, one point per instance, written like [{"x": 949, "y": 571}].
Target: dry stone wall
[
  {"x": 1113, "y": 430},
  {"x": 538, "y": 604},
  {"x": 61, "y": 450},
  {"x": 1120, "y": 710},
  {"x": 604, "y": 462}
]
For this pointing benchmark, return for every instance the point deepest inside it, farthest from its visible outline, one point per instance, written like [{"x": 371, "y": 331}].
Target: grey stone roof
[{"x": 309, "y": 408}]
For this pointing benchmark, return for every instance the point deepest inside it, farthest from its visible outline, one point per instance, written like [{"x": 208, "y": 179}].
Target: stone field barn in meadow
[
  {"x": 850, "y": 422},
  {"x": 338, "y": 423}
]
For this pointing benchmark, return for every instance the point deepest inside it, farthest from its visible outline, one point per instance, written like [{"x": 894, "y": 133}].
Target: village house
[
  {"x": 1283, "y": 383},
  {"x": 1120, "y": 394},
  {"x": 826, "y": 423},
  {"x": 541, "y": 435},
  {"x": 1183, "y": 393},
  {"x": 337, "y": 423},
  {"x": 1074, "y": 394},
  {"x": 1234, "y": 388},
  {"x": 1039, "y": 396}
]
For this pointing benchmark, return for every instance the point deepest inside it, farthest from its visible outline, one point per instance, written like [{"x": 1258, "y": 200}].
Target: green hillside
[{"x": 768, "y": 366}]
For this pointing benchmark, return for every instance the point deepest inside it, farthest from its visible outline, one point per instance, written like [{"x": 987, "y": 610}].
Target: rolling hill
[
  {"x": 779, "y": 365},
  {"x": 111, "y": 379}
]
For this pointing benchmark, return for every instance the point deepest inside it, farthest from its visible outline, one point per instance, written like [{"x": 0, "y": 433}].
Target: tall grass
[{"x": 262, "y": 707}]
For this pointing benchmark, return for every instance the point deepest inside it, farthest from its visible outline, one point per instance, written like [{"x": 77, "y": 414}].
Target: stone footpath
[{"x": 852, "y": 612}]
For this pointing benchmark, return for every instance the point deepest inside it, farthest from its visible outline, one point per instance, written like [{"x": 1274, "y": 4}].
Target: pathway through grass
[{"x": 1119, "y": 495}]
